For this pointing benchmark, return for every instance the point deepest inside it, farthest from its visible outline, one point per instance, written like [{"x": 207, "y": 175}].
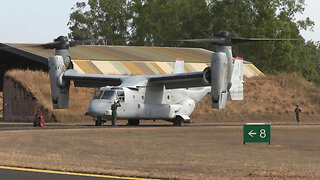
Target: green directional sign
[{"x": 256, "y": 132}]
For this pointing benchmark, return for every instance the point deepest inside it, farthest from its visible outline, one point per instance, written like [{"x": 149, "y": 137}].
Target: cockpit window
[
  {"x": 120, "y": 95},
  {"x": 108, "y": 95},
  {"x": 97, "y": 94}
]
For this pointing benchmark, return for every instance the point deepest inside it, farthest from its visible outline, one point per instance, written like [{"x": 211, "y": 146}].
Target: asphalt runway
[
  {"x": 8, "y": 173},
  {"x": 28, "y": 126},
  {"x": 4, "y": 126}
]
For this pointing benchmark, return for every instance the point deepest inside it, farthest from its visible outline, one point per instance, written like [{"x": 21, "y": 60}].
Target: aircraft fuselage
[{"x": 153, "y": 102}]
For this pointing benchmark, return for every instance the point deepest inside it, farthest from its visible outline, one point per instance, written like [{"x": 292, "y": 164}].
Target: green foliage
[
  {"x": 159, "y": 22},
  {"x": 106, "y": 21}
]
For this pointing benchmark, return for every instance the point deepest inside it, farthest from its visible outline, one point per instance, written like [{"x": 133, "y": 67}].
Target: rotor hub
[{"x": 62, "y": 42}]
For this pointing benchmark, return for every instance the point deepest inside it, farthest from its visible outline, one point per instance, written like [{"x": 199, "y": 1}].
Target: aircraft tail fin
[
  {"x": 178, "y": 66},
  {"x": 236, "y": 90}
]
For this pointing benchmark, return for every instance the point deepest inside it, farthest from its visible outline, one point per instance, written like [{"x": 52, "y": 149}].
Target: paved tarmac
[
  {"x": 8, "y": 173},
  {"x": 6, "y": 126}
]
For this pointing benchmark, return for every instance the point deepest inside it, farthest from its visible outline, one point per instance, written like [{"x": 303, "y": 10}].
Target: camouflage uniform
[
  {"x": 114, "y": 107},
  {"x": 298, "y": 111}
]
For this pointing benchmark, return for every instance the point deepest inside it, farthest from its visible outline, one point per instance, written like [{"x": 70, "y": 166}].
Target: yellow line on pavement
[{"x": 69, "y": 173}]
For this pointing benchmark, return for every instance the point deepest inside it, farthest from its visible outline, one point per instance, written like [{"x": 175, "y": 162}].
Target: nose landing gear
[{"x": 99, "y": 122}]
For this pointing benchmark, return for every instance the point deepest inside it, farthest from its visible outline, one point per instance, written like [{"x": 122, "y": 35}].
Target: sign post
[{"x": 257, "y": 132}]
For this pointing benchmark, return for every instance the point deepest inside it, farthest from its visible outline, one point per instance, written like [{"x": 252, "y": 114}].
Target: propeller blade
[
  {"x": 63, "y": 42},
  {"x": 214, "y": 40},
  {"x": 50, "y": 45},
  {"x": 225, "y": 39},
  {"x": 82, "y": 42},
  {"x": 241, "y": 39}
]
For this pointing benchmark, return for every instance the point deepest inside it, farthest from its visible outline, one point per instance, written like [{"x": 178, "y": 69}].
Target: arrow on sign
[{"x": 251, "y": 133}]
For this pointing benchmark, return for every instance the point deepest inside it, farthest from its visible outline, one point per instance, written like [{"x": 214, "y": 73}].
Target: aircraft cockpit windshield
[
  {"x": 104, "y": 94},
  {"x": 108, "y": 94}
]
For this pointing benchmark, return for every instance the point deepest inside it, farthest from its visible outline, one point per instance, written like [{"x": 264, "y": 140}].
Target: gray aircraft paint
[
  {"x": 166, "y": 96},
  {"x": 149, "y": 102}
]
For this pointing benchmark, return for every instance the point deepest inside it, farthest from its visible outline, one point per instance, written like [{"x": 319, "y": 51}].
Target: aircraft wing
[
  {"x": 92, "y": 80},
  {"x": 171, "y": 81},
  {"x": 179, "y": 80}
]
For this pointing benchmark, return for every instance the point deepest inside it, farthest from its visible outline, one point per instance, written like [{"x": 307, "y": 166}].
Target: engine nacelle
[
  {"x": 219, "y": 81},
  {"x": 59, "y": 87}
]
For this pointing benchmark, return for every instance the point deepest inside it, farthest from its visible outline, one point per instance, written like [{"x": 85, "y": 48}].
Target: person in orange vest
[{"x": 39, "y": 120}]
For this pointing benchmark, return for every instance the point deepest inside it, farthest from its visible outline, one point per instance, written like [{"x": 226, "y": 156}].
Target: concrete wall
[{"x": 18, "y": 104}]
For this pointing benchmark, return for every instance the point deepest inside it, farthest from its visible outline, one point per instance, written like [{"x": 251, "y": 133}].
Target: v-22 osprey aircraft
[{"x": 170, "y": 97}]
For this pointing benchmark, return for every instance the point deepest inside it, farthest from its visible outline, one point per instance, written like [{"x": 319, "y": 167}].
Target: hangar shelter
[{"x": 95, "y": 59}]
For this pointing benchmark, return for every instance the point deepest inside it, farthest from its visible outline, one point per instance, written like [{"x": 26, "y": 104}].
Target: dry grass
[
  {"x": 37, "y": 82},
  {"x": 167, "y": 152},
  {"x": 267, "y": 99}
]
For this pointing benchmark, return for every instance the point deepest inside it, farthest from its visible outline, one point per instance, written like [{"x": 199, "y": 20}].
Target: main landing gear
[
  {"x": 133, "y": 122},
  {"x": 178, "y": 121}
]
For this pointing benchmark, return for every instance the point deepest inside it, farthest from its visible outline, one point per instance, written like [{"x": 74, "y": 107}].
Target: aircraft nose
[{"x": 98, "y": 107}]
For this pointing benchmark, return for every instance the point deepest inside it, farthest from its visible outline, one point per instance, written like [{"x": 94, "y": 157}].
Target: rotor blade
[
  {"x": 81, "y": 42},
  {"x": 50, "y": 45},
  {"x": 241, "y": 39},
  {"x": 214, "y": 40}
]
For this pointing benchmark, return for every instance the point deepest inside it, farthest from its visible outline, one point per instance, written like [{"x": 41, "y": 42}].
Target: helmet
[{"x": 297, "y": 105}]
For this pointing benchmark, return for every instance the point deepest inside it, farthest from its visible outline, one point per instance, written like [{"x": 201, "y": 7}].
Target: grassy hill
[
  {"x": 37, "y": 82},
  {"x": 266, "y": 99}
]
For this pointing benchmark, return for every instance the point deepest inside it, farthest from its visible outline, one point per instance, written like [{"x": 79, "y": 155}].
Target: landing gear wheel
[
  {"x": 133, "y": 122},
  {"x": 178, "y": 121},
  {"x": 98, "y": 122}
]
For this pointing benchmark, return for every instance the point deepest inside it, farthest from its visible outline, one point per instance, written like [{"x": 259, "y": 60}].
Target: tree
[
  {"x": 265, "y": 18},
  {"x": 106, "y": 21},
  {"x": 159, "y": 22}
]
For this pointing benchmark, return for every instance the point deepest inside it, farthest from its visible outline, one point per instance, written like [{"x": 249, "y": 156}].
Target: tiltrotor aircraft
[{"x": 170, "y": 97}]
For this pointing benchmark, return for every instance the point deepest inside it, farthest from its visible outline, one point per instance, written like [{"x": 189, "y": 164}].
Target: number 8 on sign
[{"x": 263, "y": 133}]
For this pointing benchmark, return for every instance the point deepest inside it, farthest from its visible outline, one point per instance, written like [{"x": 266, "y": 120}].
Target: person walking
[
  {"x": 298, "y": 112},
  {"x": 114, "y": 108}
]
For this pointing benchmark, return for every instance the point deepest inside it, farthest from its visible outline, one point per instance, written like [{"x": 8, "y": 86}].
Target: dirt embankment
[
  {"x": 266, "y": 99},
  {"x": 37, "y": 82}
]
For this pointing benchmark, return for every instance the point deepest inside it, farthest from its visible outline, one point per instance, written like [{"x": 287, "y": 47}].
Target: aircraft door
[{"x": 120, "y": 96}]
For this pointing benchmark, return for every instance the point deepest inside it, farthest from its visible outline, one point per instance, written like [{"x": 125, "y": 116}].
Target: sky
[
  {"x": 34, "y": 21},
  {"x": 311, "y": 11},
  {"x": 40, "y": 21}
]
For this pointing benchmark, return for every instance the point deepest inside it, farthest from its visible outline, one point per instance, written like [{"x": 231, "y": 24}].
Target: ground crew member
[
  {"x": 39, "y": 120},
  {"x": 297, "y": 111},
  {"x": 114, "y": 107}
]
